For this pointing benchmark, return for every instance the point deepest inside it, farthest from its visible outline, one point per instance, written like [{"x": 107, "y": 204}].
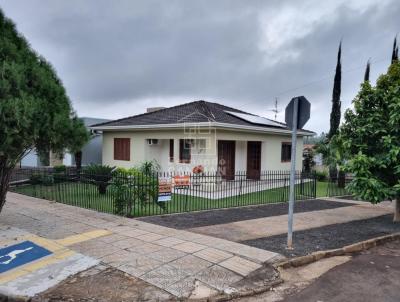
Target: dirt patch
[
  {"x": 222, "y": 216},
  {"x": 101, "y": 284},
  {"x": 328, "y": 237}
]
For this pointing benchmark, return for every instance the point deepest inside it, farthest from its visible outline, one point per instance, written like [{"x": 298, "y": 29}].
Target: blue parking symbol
[{"x": 20, "y": 254}]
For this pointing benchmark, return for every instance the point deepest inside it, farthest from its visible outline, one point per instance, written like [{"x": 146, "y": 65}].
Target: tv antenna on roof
[{"x": 276, "y": 110}]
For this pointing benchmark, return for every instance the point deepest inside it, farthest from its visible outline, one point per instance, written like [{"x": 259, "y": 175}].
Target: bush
[
  {"x": 130, "y": 186},
  {"x": 41, "y": 179},
  {"x": 60, "y": 173},
  {"x": 100, "y": 175},
  {"x": 60, "y": 168},
  {"x": 149, "y": 167},
  {"x": 321, "y": 175}
]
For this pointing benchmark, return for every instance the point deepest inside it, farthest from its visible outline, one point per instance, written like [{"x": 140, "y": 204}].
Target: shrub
[
  {"x": 321, "y": 175},
  {"x": 132, "y": 186},
  {"x": 149, "y": 167},
  {"x": 44, "y": 179},
  {"x": 59, "y": 173},
  {"x": 100, "y": 175},
  {"x": 60, "y": 168}
]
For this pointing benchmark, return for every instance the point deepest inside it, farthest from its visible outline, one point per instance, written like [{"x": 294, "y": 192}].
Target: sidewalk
[{"x": 167, "y": 258}]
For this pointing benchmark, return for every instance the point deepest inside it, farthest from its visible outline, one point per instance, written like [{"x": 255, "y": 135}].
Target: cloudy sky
[{"x": 116, "y": 58}]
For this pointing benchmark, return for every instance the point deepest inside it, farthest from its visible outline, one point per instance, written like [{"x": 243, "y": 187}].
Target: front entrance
[
  {"x": 253, "y": 160},
  {"x": 226, "y": 159}
]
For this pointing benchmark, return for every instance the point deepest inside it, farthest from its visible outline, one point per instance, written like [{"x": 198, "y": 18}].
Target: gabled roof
[{"x": 193, "y": 112}]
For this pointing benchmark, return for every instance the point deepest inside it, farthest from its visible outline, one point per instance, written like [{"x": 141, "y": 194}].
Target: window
[
  {"x": 122, "y": 149},
  {"x": 171, "y": 150},
  {"x": 286, "y": 152},
  {"x": 185, "y": 146}
]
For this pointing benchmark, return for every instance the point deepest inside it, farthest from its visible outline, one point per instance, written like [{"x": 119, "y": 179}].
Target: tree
[
  {"x": 395, "y": 51},
  {"x": 369, "y": 140},
  {"x": 308, "y": 159},
  {"x": 367, "y": 71},
  {"x": 336, "y": 104},
  {"x": 35, "y": 112}
]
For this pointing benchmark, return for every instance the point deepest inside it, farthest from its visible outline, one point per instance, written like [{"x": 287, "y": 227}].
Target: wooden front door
[
  {"x": 253, "y": 160},
  {"x": 226, "y": 159}
]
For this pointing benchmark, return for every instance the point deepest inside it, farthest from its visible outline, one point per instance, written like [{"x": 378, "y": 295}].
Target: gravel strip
[
  {"x": 328, "y": 237},
  {"x": 221, "y": 216}
]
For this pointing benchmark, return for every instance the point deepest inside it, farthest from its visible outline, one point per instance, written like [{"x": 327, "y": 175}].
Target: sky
[{"x": 116, "y": 58}]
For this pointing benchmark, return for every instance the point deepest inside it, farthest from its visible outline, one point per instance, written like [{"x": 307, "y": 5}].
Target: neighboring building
[
  {"x": 91, "y": 152},
  {"x": 318, "y": 159},
  {"x": 200, "y": 133}
]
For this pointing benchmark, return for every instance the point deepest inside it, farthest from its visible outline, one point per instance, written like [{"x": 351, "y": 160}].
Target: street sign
[
  {"x": 297, "y": 113},
  {"x": 20, "y": 254},
  {"x": 303, "y": 114}
]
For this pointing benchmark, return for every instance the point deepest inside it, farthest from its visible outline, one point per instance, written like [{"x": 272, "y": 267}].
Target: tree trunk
[
  {"x": 5, "y": 174},
  {"x": 78, "y": 160},
  {"x": 396, "y": 216}
]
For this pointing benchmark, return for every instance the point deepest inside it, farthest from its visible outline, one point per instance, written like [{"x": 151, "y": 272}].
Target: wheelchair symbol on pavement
[{"x": 20, "y": 254}]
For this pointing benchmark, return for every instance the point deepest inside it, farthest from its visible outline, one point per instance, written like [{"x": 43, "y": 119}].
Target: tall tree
[
  {"x": 395, "y": 51},
  {"x": 35, "y": 112},
  {"x": 367, "y": 71},
  {"x": 336, "y": 104},
  {"x": 369, "y": 147}
]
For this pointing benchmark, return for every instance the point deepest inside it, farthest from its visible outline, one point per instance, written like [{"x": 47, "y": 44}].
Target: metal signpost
[{"x": 297, "y": 114}]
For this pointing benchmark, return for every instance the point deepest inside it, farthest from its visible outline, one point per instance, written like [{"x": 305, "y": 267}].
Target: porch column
[{"x": 176, "y": 150}]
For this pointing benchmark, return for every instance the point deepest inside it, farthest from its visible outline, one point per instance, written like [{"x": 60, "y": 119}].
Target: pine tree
[
  {"x": 35, "y": 111},
  {"x": 367, "y": 70},
  {"x": 395, "y": 51},
  {"x": 336, "y": 104}
]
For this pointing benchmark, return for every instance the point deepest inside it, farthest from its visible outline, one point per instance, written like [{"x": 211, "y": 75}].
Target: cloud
[{"x": 116, "y": 59}]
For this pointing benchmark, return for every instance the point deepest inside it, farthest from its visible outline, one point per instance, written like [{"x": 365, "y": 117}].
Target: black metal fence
[
  {"x": 337, "y": 185},
  {"x": 142, "y": 194}
]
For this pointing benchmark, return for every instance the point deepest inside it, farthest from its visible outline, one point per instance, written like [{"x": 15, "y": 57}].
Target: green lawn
[{"x": 86, "y": 195}]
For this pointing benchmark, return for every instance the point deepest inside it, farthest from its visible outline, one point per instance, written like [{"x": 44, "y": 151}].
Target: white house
[{"x": 215, "y": 136}]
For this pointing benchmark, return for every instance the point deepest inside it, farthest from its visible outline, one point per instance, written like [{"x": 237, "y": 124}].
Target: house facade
[{"x": 217, "y": 137}]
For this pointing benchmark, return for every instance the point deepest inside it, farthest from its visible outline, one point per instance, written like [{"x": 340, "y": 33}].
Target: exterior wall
[
  {"x": 91, "y": 152},
  {"x": 141, "y": 151}
]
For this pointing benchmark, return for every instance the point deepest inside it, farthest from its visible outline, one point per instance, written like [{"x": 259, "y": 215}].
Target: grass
[{"x": 86, "y": 195}]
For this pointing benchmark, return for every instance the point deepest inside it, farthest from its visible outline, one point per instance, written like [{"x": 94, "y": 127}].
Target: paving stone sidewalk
[{"x": 167, "y": 258}]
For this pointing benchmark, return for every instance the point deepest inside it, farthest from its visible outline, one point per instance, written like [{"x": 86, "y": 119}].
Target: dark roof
[{"x": 193, "y": 112}]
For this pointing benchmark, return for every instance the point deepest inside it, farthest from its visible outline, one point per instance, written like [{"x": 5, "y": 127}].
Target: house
[
  {"x": 218, "y": 137},
  {"x": 91, "y": 152}
]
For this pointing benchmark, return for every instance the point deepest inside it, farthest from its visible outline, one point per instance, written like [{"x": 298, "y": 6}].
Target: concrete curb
[
  {"x": 348, "y": 249},
  {"x": 246, "y": 293}
]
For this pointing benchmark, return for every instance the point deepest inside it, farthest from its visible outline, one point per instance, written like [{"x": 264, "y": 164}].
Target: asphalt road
[{"x": 373, "y": 276}]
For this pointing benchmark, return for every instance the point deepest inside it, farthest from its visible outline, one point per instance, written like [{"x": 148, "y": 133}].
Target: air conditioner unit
[{"x": 152, "y": 141}]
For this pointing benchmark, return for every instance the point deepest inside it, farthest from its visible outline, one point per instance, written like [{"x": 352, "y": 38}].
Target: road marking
[
  {"x": 29, "y": 268},
  {"x": 70, "y": 240},
  {"x": 20, "y": 254},
  {"x": 56, "y": 251}
]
